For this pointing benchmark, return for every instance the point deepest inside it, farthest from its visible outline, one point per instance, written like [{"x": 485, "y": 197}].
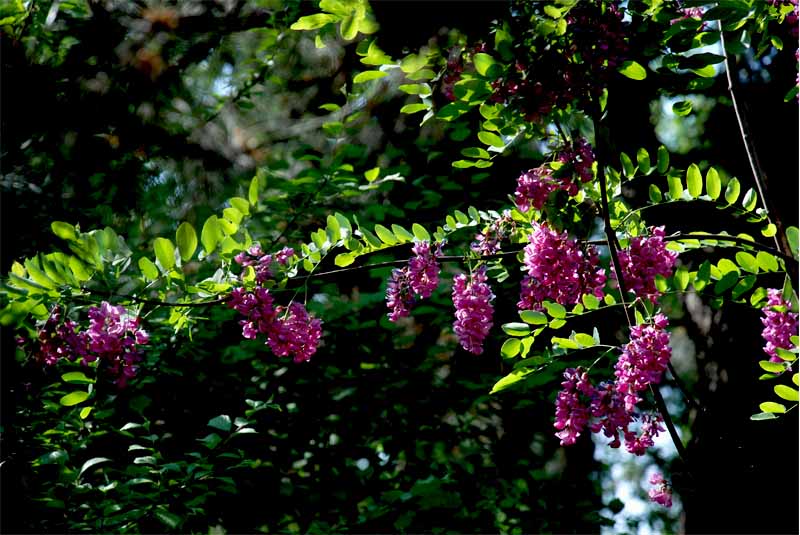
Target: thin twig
[
  {"x": 662, "y": 408},
  {"x": 688, "y": 397}
]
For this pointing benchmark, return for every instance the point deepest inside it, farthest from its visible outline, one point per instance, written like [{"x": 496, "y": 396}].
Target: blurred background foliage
[{"x": 136, "y": 115}]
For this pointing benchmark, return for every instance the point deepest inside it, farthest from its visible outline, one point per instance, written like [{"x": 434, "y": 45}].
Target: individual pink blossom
[
  {"x": 643, "y": 260},
  {"x": 284, "y": 255},
  {"x": 472, "y": 298},
  {"x": 643, "y": 360},
  {"x": 780, "y": 324},
  {"x": 558, "y": 269},
  {"x": 534, "y": 187},
  {"x": 572, "y": 405},
  {"x": 662, "y": 492},
  {"x": 295, "y": 334},
  {"x": 423, "y": 269}
]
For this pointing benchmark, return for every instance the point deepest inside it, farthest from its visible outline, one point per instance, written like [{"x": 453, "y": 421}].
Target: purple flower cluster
[
  {"x": 662, "y": 492},
  {"x": 261, "y": 262},
  {"x": 780, "y": 324},
  {"x": 572, "y": 412},
  {"x": 113, "y": 337},
  {"x": 420, "y": 277},
  {"x": 645, "y": 258},
  {"x": 294, "y": 332},
  {"x": 558, "y": 269},
  {"x": 472, "y": 299},
  {"x": 643, "y": 360},
  {"x": 534, "y": 187},
  {"x": 610, "y": 407},
  {"x": 488, "y": 241},
  {"x": 690, "y": 13}
]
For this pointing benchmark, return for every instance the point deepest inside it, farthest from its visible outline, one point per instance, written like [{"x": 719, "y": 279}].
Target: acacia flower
[
  {"x": 114, "y": 337},
  {"x": 780, "y": 324},
  {"x": 662, "y": 492},
  {"x": 533, "y": 188},
  {"x": 558, "y": 269},
  {"x": 399, "y": 296},
  {"x": 472, "y": 299},
  {"x": 643, "y": 360},
  {"x": 296, "y": 334},
  {"x": 645, "y": 258},
  {"x": 260, "y": 262},
  {"x": 423, "y": 269},
  {"x": 572, "y": 409}
]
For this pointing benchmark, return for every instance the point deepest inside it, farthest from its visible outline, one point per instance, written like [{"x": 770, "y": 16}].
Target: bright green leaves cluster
[
  {"x": 786, "y": 392},
  {"x": 352, "y": 16}
]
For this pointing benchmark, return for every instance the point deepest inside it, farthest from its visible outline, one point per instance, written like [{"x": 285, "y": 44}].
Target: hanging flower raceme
[
  {"x": 651, "y": 426},
  {"x": 257, "y": 308},
  {"x": 114, "y": 337},
  {"x": 295, "y": 334},
  {"x": 58, "y": 340},
  {"x": 611, "y": 417},
  {"x": 643, "y": 360},
  {"x": 261, "y": 262},
  {"x": 572, "y": 410},
  {"x": 534, "y": 187},
  {"x": 661, "y": 493},
  {"x": 645, "y": 258},
  {"x": 581, "y": 157},
  {"x": 472, "y": 298},
  {"x": 780, "y": 324},
  {"x": 558, "y": 269},
  {"x": 420, "y": 277}
]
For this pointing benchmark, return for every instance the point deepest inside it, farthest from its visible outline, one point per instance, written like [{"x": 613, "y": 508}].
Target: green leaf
[
  {"x": 511, "y": 379},
  {"x": 534, "y": 317},
  {"x": 713, "y": 183},
  {"x": 732, "y": 191},
  {"x": 334, "y": 229},
  {"x": 172, "y": 521},
  {"x": 643, "y": 159},
  {"x": 586, "y": 340},
  {"x": 211, "y": 234},
  {"x": 482, "y": 62},
  {"x": 590, "y": 301},
  {"x": 344, "y": 259},
  {"x": 747, "y": 261},
  {"x": 682, "y": 108},
  {"x": 414, "y": 108},
  {"x": 750, "y": 200},
  {"x": 252, "y": 192},
  {"x": 165, "y": 253},
  {"x": 313, "y": 22},
  {"x": 632, "y": 70},
  {"x": 372, "y": 174},
  {"x": 385, "y": 235},
  {"x": 516, "y": 329},
  {"x": 555, "y": 310},
  {"x": 148, "y": 268},
  {"x": 74, "y": 398},
  {"x": 420, "y": 233},
  {"x": 663, "y": 160},
  {"x": 221, "y": 422},
  {"x": 415, "y": 89},
  {"x": 785, "y": 354},
  {"x": 76, "y": 377},
  {"x": 92, "y": 462},
  {"x": 510, "y": 348},
  {"x": 65, "y": 231},
  {"x": 793, "y": 236},
  {"x": 763, "y": 416},
  {"x": 402, "y": 234},
  {"x": 475, "y": 152},
  {"x": 350, "y": 24},
  {"x": 796, "y": 379},
  {"x": 491, "y": 139},
  {"x": 366, "y": 76},
  {"x": 769, "y": 231},
  {"x": 627, "y": 165},
  {"x": 694, "y": 181},
  {"x": 681, "y": 278},
  {"x": 564, "y": 343},
  {"x": 675, "y": 187},
  {"x": 654, "y": 193},
  {"x": 771, "y": 406},
  {"x": 727, "y": 281},
  {"x": 186, "y": 238},
  {"x": 786, "y": 392},
  {"x": 772, "y": 367}
]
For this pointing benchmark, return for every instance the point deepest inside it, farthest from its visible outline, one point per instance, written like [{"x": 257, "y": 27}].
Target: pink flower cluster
[
  {"x": 643, "y": 360},
  {"x": 420, "y": 277},
  {"x": 662, "y": 492},
  {"x": 581, "y": 157},
  {"x": 472, "y": 299},
  {"x": 113, "y": 337},
  {"x": 645, "y": 258},
  {"x": 610, "y": 407},
  {"x": 780, "y": 324},
  {"x": 534, "y": 187},
  {"x": 290, "y": 331},
  {"x": 261, "y": 262},
  {"x": 690, "y": 13},
  {"x": 558, "y": 269},
  {"x": 488, "y": 241}
]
